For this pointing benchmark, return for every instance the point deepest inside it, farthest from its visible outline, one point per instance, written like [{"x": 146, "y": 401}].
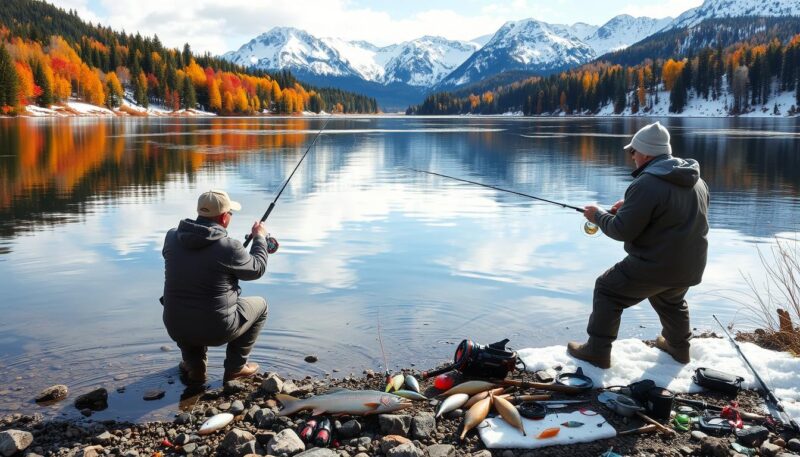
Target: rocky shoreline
[{"x": 258, "y": 430}]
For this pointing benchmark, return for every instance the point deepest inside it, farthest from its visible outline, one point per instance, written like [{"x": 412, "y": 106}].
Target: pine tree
[
  {"x": 45, "y": 99},
  {"x": 8, "y": 81},
  {"x": 189, "y": 96}
]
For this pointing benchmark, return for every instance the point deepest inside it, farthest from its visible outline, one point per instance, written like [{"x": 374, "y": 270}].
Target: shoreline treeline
[
  {"x": 744, "y": 74},
  {"x": 48, "y": 55}
]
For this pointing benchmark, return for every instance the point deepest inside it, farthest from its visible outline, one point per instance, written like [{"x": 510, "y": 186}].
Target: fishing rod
[
  {"x": 589, "y": 228},
  {"x": 773, "y": 403},
  {"x": 248, "y": 237}
]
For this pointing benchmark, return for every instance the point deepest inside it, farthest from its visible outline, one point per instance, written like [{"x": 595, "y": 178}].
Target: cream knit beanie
[{"x": 651, "y": 140}]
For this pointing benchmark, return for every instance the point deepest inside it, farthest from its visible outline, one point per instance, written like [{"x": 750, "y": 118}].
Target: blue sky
[{"x": 219, "y": 26}]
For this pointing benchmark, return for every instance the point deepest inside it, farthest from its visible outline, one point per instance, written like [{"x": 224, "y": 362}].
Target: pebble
[
  {"x": 714, "y": 447},
  {"x": 52, "y": 394},
  {"x": 234, "y": 439},
  {"x": 224, "y": 406},
  {"x": 154, "y": 394},
  {"x": 349, "y": 429},
  {"x": 184, "y": 418},
  {"x": 14, "y": 441},
  {"x": 165, "y": 348},
  {"x": 405, "y": 450},
  {"x": 311, "y": 358},
  {"x": 272, "y": 385},
  {"x": 769, "y": 450},
  {"x": 441, "y": 450},
  {"x": 96, "y": 400},
  {"x": 392, "y": 441},
  {"x": 394, "y": 424},
  {"x": 423, "y": 425},
  {"x": 120, "y": 377},
  {"x": 697, "y": 435},
  {"x": 237, "y": 407},
  {"x": 285, "y": 441},
  {"x": 234, "y": 387},
  {"x": 190, "y": 448}
]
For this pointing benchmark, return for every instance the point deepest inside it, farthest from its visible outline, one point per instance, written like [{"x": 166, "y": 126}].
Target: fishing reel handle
[{"x": 272, "y": 243}]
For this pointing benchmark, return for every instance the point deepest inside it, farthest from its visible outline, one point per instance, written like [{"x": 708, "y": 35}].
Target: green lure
[{"x": 572, "y": 424}]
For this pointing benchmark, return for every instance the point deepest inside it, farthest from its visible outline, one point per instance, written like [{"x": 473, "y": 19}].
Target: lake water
[{"x": 85, "y": 204}]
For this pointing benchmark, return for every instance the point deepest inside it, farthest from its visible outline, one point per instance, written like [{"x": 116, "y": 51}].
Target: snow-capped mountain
[
  {"x": 421, "y": 62},
  {"x": 522, "y": 45},
  {"x": 734, "y": 8},
  {"x": 623, "y": 31}
]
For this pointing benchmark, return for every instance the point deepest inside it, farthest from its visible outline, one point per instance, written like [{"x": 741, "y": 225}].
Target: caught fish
[
  {"x": 412, "y": 383},
  {"x": 355, "y": 402},
  {"x": 410, "y": 394},
  {"x": 509, "y": 413},
  {"x": 481, "y": 395},
  {"x": 572, "y": 424},
  {"x": 470, "y": 388},
  {"x": 476, "y": 415},
  {"x": 548, "y": 433},
  {"x": 451, "y": 403},
  {"x": 214, "y": 423}
]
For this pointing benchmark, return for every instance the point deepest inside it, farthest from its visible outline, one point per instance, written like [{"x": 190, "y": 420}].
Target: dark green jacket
[
  {"x": 663, "y": 222},
  {"x": 202, "y": 269}
]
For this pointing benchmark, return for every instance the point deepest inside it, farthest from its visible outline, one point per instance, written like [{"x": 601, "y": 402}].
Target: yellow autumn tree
[
  {"x": 671, "y": 71},
  {"x": 214, "y": 97}
]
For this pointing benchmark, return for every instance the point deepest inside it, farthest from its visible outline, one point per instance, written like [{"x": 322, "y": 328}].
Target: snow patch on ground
[
  {"x": 632, "y": 360},
  {"x": 86, "y": 109}
]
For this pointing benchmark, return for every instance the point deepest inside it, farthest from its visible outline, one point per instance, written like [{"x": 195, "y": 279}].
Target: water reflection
[{"x": 85, "y": 204}]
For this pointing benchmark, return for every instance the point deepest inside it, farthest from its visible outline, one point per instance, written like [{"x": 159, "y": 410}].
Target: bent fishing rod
[
  {"x": 563, "y": 205},
  {"x": 773, "y": 403},
  {"x": 248, "y": 237}
]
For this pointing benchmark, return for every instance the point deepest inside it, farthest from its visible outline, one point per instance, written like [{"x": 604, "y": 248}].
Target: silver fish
[
  {"x": 410, "y": 394},
  {"x": 451, "y": 403},
  {"x": 355, "y": 402},
  {"x": 412, "y": 383},
  {"x": 214, "y": 423}
]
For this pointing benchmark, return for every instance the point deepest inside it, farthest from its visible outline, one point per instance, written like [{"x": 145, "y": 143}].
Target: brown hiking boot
[
  {"x": 191, "y": 375},
  {"x": 249, "y": 369},
  {"x": 586, "y": 353},
  {"x": 681, "y": 355}
]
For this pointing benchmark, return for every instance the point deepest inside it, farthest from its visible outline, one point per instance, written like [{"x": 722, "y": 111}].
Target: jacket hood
[
  {"x": 681, "y": 172},
  {"x": 200, "y": 233}
]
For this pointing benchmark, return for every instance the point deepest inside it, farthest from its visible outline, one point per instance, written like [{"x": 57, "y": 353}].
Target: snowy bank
[
  {"x": 633, "y": 360},
  {"x": 75, "y": 108}
]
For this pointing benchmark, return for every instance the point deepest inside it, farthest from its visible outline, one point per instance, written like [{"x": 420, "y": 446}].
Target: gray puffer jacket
[
  {"x": 663, "y": 222},
  {"x": 201, "y": 280}
]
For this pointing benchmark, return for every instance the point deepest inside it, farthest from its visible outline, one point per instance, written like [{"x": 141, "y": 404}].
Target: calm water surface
[{"x": 85, "y": 204}]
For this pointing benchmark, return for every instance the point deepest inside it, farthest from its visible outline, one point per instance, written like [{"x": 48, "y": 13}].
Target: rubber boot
[
  {"x": 681, "y": 355},
  {"x": 591, "y": 352}
]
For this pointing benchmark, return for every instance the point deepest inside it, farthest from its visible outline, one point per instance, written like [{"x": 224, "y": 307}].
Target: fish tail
[{"x": 290, "y": 404}]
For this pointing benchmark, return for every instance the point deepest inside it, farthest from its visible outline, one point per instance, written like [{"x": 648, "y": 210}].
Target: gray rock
[
  {"x": 104, "y": 438},
  {"x": 92, "y": 451},
  {"x": 250, "y": 447},
  {"x": 224, "y": 406},
  {"x": 405, "y": 450},
  {"x": 786, "y": 454},
  {"x": 508, "y": 453},
  {"x": 203, "y": 450},
  {"x": 234, "y": 387},
  {"x": 793, "y": 445},
  {"x": 769, "y": 450},
  {"x": 211, "y": 411},
  {"x": 190, "y": 448},
  {"x": 423, "y": 425},
  {"x": 96, "y": 400},
  {"x": 165, "y": 348},
  {"x": 264, "y": 418},
  {"x": 394, "y": 424},
  {"x": 184, "y": 418},
  {"x": 185, "y": 438},
  {"x": 235, "y": 438},
  {"x": 544, "y": 376},
  {"x": 714, "y": 447},
  {"x": 272, "y": 385},
  {"x": 154, "y": 394},
  {"x": 53, "y": 394},
  {"x": 286, "y": 441},
  {"x": 441, "y": 450},
  {"x": 14, "y": 441},
  {"x": 390, "y": 442},
  {"x": 311, "y": 358},
  {"x": 483, "y": 453},
  {"x": 237, "y": 407},
  {"x": 686, "y": 450},
  {"x": 250, "y": 414},
  {"x": 349, "y": 429},
  {"x": 361, "y": 454},
  {"x": 130, "y": 453},
  {"x": 318, "y": 452},
  {"x": 289, "y": 388},
  {"x": 697, "y": 435}
]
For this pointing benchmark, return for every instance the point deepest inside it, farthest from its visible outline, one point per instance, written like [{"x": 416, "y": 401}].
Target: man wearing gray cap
[
  {"x": 663, "y": 223},
  {"x": 202, "y": 306}
]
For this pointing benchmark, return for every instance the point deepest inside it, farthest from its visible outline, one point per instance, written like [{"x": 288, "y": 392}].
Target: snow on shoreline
[
  {"x": 74, "y": 108},
  {"x": 632, "y": 360}
]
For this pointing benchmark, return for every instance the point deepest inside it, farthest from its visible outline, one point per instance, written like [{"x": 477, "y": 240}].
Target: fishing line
[
  {"x": 380, "y": 342},
  {"x": 272, "y": 205}
]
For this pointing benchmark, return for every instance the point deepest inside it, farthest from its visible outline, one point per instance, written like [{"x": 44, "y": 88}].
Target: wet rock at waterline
[
  {"x": 154, "y": 394},
  {"x": 311, "y": 358},
  {"x": 96, "y": 400},
  {"x": 52, "y": 394},
  {"x": 14, "y": 441}
]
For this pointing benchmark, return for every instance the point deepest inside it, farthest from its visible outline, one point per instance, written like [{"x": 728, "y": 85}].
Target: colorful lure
[
  {"x": 548, "y": 433},
  {"x": 572, "y": 424}
]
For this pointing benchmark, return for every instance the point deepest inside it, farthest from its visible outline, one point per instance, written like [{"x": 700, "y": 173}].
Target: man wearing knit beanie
[{"x": 663, "y": 223}]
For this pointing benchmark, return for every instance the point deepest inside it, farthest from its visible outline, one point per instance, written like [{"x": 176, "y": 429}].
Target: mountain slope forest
[
  {"x": 48, "y": 55},
  {"x": 763, "y": 62}
]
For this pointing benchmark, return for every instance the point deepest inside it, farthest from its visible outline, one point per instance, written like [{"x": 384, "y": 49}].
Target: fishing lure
[
  {"x": 548, "y": 433},
  {"x": 572, "y": 424}
]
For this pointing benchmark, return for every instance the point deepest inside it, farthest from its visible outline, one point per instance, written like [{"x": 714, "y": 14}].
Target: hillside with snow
[{"x": 711, "y": 9}]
